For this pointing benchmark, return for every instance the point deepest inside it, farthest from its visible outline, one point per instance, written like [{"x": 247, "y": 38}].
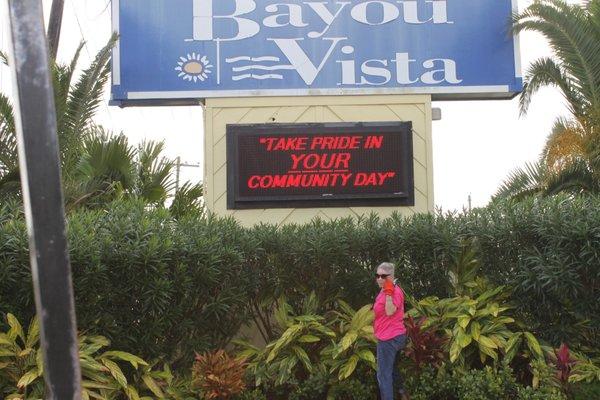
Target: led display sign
[{"x": 319, "y": 165}]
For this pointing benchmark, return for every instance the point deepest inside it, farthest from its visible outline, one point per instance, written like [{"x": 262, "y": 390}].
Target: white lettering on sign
[
  {"x": 204, "y": 17},
  {"x": 203, "y": 20},
  {"x": 314, "y": 19},
  {"x": 300, "y": 61}
]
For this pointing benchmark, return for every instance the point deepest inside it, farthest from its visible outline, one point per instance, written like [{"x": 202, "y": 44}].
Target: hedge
[{"x": 162, "y": 287}]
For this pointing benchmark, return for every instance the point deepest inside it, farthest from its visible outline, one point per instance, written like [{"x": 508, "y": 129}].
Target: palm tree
[
  {"x": 75, "y": 105},
  {"x": 9, "y": 173},
  {"x": 97, "y": 166},
  {"x": 109, "y": 168},
  {"x": 571, "y": 158}
]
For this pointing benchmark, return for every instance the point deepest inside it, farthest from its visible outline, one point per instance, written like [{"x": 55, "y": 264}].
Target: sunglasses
[{"x": 382, "y": 276}]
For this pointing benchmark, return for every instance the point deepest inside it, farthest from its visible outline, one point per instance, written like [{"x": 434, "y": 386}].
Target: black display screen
[{"x": 319, "y": 165}]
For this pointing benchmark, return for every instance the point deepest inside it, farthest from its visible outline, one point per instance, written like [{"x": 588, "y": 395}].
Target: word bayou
[{"x": 190, "y": 49}]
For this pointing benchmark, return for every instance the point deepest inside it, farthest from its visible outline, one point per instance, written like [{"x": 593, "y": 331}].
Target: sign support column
[{"x": 35, "y": 122}]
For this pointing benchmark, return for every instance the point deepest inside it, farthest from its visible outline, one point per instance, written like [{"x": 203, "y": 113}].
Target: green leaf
[
  {"x": 6, "y": 353},
  {"x": 348, "y": 340},
  {"x": 33, "y": 334},
  {"x": 486, "y": 350},
  {"x": 463, "y": 339},
  {"x": 96, "y": 385},
  {"x": 25, "y": 352},
  {"x": 454, "y": 351},
  {"x": 367, "y": 355},
  {"x": 122, "y": 355},
  {"x": 487, "y": 342},
  {"x": 132, "y": 393},
  {"x": 26, "y": 379},
  {"x": 308, "y": 339},
  {"x": 153, "y": 386},
  {"x": 348, "y": 368},
  {"x": 464, "y": 320},
  {"x": 5, "y": 340},
  {"x": 303, "y": 356},
  {"x": 475, "y": 330},
  {"x": 16, "y": 330},
  {"x": 534, "y": 345},
  {"x": 512, "y": 346},
  {"x": 115, "y": 371}
]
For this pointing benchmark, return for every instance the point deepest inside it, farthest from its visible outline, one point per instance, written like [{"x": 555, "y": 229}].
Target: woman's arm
[{"x": 390, "y": 308}]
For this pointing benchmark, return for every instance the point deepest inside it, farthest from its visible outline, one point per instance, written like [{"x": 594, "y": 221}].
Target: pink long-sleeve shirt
[{"x": 388, "y": 327}]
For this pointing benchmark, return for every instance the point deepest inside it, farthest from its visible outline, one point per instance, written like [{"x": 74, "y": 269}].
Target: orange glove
[{"x": 388, "y": 287}]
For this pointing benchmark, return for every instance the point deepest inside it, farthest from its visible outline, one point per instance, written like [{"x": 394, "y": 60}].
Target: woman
[{"x": 389, "y": 330}]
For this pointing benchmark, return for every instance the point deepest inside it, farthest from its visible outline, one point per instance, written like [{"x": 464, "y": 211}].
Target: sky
[{"x": 476, "y": 144}]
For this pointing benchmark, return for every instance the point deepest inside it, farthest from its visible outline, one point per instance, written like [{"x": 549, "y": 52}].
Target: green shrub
[
  {"x": 313, "y": 388},
  {"x": 486, "y": 384},
  {"x": 363, "y": 388},
  {"x": 255, "y": 394},
  {"x": 163, "y": 286},
  {"x": 153, "y": 286},
  {"x": 586, "y": 391}
]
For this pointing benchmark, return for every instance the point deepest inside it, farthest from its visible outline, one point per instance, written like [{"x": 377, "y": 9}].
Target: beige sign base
[{"x": 220, "y": 112}]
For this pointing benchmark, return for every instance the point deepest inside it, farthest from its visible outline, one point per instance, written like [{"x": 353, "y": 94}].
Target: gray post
[
  {"x": 35, "y": 121},
  {"x": 54, "y": 25}
]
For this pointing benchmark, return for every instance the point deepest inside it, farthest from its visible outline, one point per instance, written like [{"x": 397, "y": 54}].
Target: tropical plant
[
  {"x": 571, "y": 158},
  {"x": 311, "y": 345},
  {"x": 75, "y": 104},
  {"x": 187, "y": 200},
  {"x": 564, "y": 363},
  {"x": 295, "y": 354},
  {"x": 97, "y": 166},
  {"x": 218, "y": 375},
  {"x": 109, "y": 168},
  {"x": 21, "y": 368},
  {"x": 585, "y": 370},
  {"x": 478, "y": 328},
  {"x": 465, "y": 266},
  {"x": 425, "y": 346},
  {"x": 354, "y": 343}
]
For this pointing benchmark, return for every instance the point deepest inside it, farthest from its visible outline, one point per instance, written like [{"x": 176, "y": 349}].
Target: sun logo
[{"x": 193, "y": 67}]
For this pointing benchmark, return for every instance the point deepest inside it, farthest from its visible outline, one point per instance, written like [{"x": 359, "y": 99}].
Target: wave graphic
[
  {"x": 255, "y": 59},
  {"x": 254, "y": 76},
  {"x": 263, "y": 67}
]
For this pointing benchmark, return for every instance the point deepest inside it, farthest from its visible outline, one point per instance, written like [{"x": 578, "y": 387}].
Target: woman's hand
[{"x": 388, "y": 287}]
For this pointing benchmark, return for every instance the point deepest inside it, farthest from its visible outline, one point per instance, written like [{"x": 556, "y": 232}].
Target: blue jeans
[{"x": 387, "y": 373}]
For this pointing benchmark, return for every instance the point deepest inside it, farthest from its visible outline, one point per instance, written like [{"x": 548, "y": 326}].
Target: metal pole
[
  {"x": 54, "y": 25},
  {"x": 35, "y": 121},
  {"x": 177, "y": 167}
]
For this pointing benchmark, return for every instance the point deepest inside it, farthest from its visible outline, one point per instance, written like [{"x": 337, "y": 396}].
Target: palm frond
[
  {"x": 3, "y": 58},
  {"x": 573, "y": 37},
  {"x": 107, "y": 159},
  {"x": 155, "y": 180},
  {"x": 187, "y": 199},
  {"x": 8, "y": 139},
  {"x": 10, "y": 183},
  {"x": 565, "y": 144},
  {"x": 546, "y": 72},
  {"x": 523, "y": 182},
  {"x": 86, "y": 95},
  {"x": 576, "y": 178},
  {"x": 62, "y": 76}
]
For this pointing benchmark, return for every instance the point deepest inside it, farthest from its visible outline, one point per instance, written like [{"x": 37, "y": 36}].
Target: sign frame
[
  {"x": 122, "y": 96},
  {"x": 406, "y": 160}
]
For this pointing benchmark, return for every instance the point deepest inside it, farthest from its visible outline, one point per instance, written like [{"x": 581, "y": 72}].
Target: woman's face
[{"x": 381, "y": 278}]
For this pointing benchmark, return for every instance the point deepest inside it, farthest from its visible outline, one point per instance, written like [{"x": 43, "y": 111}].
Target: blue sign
[{"x": 178, "y": 50}]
